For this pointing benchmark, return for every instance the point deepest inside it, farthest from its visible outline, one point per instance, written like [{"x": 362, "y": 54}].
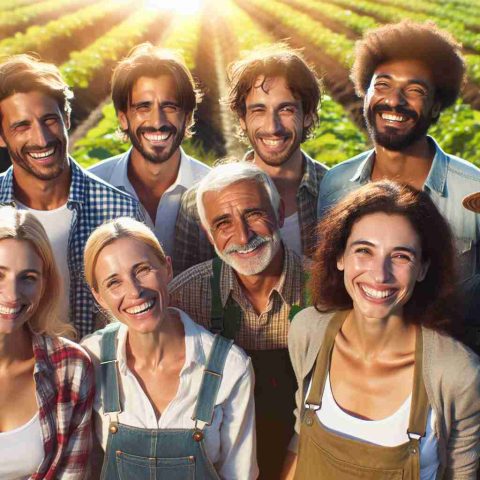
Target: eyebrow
[
  {"x": 28, "y": 270},
  {"x": 409, "y": 82},
  {"x": 149, "y": 102},
  {"x": 402, "y": 248}
]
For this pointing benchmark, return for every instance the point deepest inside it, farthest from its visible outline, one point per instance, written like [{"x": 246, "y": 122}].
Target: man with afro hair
[{"x": 407, "y": 74}]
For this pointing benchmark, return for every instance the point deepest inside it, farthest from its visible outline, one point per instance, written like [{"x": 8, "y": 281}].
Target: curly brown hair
[
  {"x": 145, "y": 60},
  {"x": 434, "y": 301},
  {"x": 26, "y": 73},
  {"x": 409, "y": 40},
  {"x": 278, "y": 60}
]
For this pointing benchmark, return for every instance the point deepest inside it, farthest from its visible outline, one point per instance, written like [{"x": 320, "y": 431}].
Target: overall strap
[
  {"x": 108, "y": 369},
  {"x": 307, "y": 299},
  {"x": 224, "y": 321},
  {"x": 212, "y": 378},
  {"x": 419, "y": 408},
  {"x": 322, "y": 365}
]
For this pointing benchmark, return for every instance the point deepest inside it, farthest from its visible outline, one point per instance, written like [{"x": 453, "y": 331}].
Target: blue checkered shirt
[{"x": 93, "y": 202}]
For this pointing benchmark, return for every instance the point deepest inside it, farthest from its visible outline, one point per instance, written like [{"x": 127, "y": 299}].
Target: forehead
[
  {"x": 23, "y": 105},
  {"x": 270, "y": 90},
  {"x": 162, "y": 86},
  {"x": 239, "y": 196},
  {"x": 25, "y": 256},
  {"x": 405, "y": 70},
  {"x": 384, "y": 230}
]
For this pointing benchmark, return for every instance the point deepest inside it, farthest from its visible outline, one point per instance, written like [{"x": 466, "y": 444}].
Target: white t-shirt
[
  {"x": 21, "y": 450},
  {"x": 229, "y": 440},
  {"x": 57, "y": 224},
  {"x": 388, "y": 432},
  {"x": 290, "y": 233}
]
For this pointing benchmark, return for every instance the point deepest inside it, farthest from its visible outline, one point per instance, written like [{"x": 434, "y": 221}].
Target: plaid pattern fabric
[
  {"x": 192, "y": 245},
  {"x": 191, "y": 292},
  {"x": 93, "y": 202},
  {"x": 65, "y": 387}
]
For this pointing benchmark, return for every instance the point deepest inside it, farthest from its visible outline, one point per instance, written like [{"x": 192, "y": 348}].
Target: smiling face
[
  {"x": 243, "y": 226},
  {"x": 35, "y": 132},
  {"x": 132, "y": 284},
  {"x": 382, "y": 263},
  {"x": 274, "y": 121},
  {"x": 154, "y": 120},
  {"x": 21, "y": 283},
  {"x": 400, "y": 103}
]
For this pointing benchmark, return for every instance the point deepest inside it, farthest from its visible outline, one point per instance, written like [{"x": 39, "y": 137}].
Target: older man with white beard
[{"x": 250, "y": 292}]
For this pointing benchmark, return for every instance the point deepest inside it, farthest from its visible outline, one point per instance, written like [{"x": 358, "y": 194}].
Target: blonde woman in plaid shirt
[{"x": 46, "y": 381}]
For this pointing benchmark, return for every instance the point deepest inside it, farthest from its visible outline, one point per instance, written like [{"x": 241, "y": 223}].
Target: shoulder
[
  {"x": 198, "y": 168},
  {"x": 93, "y": 343},
  {"x": 468, "y": 172},
  {"x": 105, "y": 168},
  {"x": 319, "y": 168},
  {"x": 192, "y": 276}
]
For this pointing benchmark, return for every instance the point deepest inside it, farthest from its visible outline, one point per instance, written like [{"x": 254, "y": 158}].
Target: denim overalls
[{"x": 155, "y": 454}]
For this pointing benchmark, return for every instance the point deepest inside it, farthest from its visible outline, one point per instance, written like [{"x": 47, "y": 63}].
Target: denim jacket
[{"x": 450, "y": 179}]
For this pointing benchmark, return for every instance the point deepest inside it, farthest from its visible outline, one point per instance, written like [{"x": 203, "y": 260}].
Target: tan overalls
[{"x": 327, "y": 455}]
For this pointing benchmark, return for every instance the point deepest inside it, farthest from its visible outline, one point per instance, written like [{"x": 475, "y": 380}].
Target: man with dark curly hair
[
  {"x": 275, "y": 94},
  {"x": 407, "y": 74}
]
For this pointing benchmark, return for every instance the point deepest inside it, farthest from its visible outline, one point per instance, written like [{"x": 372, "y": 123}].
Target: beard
[
  {"x": 391, "y": 138},
  {"x": 157, "y": 154},
  {"x": 254, "y": 265}
]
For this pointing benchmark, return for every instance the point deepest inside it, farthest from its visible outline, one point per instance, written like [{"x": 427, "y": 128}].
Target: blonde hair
[
  {"x": 22, "y": 225},
  {"x": 109, "y": 232}
]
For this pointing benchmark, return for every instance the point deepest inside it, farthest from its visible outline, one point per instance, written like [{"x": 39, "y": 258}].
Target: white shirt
[
  {"x": 291, "y": 235},
  {"x": 21, "y": 450},
  {"x": 115, "y": 172},
  {"x": 230, "y": 441},
  {"x": 57, "y": 224},
  {"x": 388, "y": 432}
]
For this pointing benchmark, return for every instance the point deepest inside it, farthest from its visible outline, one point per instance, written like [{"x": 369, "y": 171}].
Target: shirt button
[
  {"x": 197, "y": 436},
  {"x": 413, "y": 450},
  {"x": 113, "y": 429},
  {"x": 309, "y": 421}
]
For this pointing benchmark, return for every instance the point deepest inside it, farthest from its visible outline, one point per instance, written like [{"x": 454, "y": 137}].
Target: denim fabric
[{"x": 449, "y": 181}]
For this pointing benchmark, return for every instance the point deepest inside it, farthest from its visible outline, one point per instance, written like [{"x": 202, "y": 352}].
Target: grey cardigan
[{"x": 451, "y": 373}]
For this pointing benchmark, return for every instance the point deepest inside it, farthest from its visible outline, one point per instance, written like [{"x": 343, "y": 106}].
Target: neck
[
  {"x": 41, "y": 194},
  {"x": 150, "y": 349},
  {"x": 15, "y": 347},
  {"x": 372, "y": 338},
  {"x": 151, "y": 180},
  {"x": 257, "y": 288},
  {"x": 410, "y": 165},
  {"x": 290, "y": 170}
]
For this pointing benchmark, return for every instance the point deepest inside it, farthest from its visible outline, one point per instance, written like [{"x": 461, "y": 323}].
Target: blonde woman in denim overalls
[
  {"x": 173, "y": 401},
  {"x": 384, "y": 391}
]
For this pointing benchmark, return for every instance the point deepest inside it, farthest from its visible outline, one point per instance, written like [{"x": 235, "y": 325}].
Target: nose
[
  {"x": 134, "y": 287},
  {"x": 395, "y": 97},
  {"x": 10, "y": 290},
  {"x": 158, "y": 118},
  {"x": 272, "y": 123},
  {"x": 41, "y": 134},
  {"x": 243, "y": 232},
  {"x": 381, "y": 269}
]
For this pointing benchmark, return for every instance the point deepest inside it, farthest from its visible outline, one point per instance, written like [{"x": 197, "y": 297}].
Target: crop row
[
  {"x": 461, "y": 116},
  {"x": 12, "y": 21},
  {"x": 103, "y": 140}
]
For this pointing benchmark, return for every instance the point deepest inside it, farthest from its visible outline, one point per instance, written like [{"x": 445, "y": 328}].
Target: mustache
[
  {"x": 162, "y": 129},
  {"x": 39, "y": 148},
  {"x": 253, "y": 244},
  {"x": 399, "y": 109}
]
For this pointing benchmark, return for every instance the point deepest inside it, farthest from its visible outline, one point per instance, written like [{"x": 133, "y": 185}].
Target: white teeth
[
  {"x": 141, "y": 308},
  {"x": 9, "y": 311},
  {"x": 272, "y": 143},
  {"x": 39, "y": 155},
  {"x": 371, "y": 292},
  {"x": 156, "y": 137},
  {"x": 393, "y": 118}
]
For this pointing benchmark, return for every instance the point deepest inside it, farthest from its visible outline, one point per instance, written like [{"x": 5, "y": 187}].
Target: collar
[
  {"x": 309, "y": 178},
  {"x": 185, "y": 177},
  {"x": 40, "y": 352},
  {"x": 436, "y": 179},
  {"x": 78, "y": 190},
  {"x": 284, "y": 288},
  {"x": 194, "y": 354}
]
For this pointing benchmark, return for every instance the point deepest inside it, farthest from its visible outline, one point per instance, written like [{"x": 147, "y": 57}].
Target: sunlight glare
[{"x": 184, "y": 7}]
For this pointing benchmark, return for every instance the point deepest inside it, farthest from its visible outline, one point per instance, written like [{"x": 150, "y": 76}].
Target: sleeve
[
  {"x": 76, "y": 454},
  {"x": 191, "y": 243},
  {"x": 238, "y": 458},
  {"x": 463, "y": 447}
]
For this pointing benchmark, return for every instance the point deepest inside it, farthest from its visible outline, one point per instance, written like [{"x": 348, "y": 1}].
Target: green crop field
[{"x": 85, "y": 38}]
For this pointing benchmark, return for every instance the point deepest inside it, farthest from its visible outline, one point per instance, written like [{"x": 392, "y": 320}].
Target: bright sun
[{"x": 184, "y": 7}]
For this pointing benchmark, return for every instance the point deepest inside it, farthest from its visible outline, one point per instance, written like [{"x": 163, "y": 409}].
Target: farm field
[{"x": 85, "y": 38}]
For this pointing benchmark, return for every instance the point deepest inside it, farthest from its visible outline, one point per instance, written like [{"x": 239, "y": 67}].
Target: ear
[
  {"x": 66, "y": 120},
  {"x": 281, "y": 213},
  {"x": 168, "y": 266},
  {"x": 242, "y": 123},
  {"x": 208, "y": 234},
  {"x": 122, "y": 119},
  {"x": 423, "y": 271},
  {"x": 307, "y": 120},
  {"x": 340, "y": 264},
  {"x": 436, "y": 109},
  {"x": 2, "y": 141}
]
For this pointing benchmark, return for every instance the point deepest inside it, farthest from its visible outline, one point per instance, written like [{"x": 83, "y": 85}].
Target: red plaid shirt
[{"x": 65, "y": 389}]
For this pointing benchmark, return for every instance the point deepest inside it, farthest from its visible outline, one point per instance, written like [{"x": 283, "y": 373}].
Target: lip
[
  {"x": 274, "y": 144},
  {"x": 156, "y": 139},
  {"x": 146, "y": 306},
  {"x": 8, "y": 312},
  {"x": 43, "y": 156},
  {"x": 379, "y": 295},
  {"x": 251, "y": 253}
]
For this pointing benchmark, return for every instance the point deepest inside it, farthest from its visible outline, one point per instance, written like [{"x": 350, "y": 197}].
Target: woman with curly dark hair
[{"x": 385, "y": 391}]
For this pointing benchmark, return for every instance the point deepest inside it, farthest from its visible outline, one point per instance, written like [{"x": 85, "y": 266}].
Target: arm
[
  {"x": 191, "y": 243},
  {"x": 237, "y": 434},
  {"x": 75, "y": 457}
]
